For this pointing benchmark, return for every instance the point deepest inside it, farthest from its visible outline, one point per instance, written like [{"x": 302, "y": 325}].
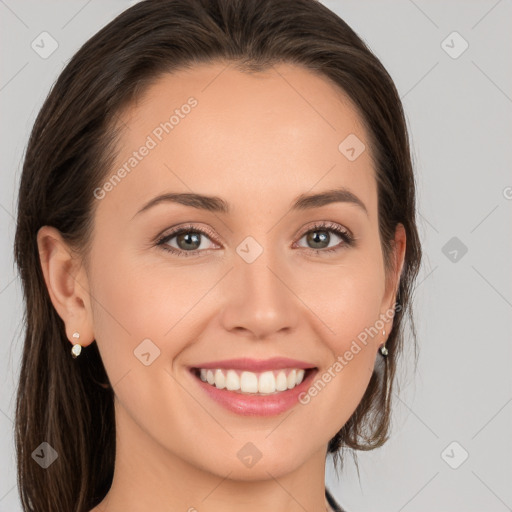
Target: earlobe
[{"x": 62, "y": 274}]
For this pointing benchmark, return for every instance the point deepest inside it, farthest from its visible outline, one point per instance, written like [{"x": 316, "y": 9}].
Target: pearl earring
[
  {"x": 383, "y": 349},
  {"x": 77, "y": 348}
]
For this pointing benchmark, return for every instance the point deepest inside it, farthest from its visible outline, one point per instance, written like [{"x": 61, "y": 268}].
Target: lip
[
  {"x": 256, "y": 405},
  {"x": 254, "y": 365}
]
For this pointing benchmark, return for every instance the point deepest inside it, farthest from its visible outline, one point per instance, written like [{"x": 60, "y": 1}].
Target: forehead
[{"x": 212, "y": 129}]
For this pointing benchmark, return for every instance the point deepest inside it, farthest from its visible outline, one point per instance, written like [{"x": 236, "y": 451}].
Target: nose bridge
[
  {"x": 262, "y": 281},
  {"x": 260, "y": 299}
]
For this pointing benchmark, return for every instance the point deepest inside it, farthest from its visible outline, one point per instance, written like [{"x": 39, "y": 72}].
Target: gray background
[{"x": 459, "y": 113}]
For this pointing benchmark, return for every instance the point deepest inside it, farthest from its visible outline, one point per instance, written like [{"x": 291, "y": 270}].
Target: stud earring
[
  {"x": 77, "y": 348},
  {"x": 383, "y": 349}
]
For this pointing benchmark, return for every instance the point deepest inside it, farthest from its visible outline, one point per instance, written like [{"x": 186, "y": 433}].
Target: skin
[{"x": 258, "y": 143}]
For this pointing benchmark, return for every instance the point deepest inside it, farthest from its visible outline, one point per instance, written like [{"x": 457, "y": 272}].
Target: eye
[
  {"x": 319, "y": 237},
  {"x": 188, "y": 240}
]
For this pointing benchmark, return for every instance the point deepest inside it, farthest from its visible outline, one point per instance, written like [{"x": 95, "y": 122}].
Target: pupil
[
  {"x": 189, "y": 238},
  {"x": 315, "y": 238}
]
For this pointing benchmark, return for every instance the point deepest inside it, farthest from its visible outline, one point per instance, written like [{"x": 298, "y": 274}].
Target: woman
[{"x": 263, "y": 141}]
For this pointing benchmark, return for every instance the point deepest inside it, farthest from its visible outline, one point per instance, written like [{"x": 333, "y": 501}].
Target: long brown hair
[{"x": 69, "y": 403}]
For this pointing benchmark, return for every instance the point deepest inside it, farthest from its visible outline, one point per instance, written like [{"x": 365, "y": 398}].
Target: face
[{"x": 258, "y": 279}]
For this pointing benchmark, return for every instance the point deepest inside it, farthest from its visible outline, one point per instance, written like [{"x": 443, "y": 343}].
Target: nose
[{"x": 260, "y": 302}]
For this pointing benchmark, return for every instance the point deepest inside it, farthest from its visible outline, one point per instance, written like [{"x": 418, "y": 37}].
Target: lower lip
[{"x": 257, "y": 405}]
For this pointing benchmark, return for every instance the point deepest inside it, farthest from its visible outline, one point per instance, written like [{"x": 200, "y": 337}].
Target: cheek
[
  {"x": 133, "y": 303},
  {"x": 350, "y": 310},
  {"x": 346, "y": 298}
]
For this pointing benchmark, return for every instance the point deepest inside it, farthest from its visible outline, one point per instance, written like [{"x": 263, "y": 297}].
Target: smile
[
  {"x": 245, "y": 398},
  {"x": 246, "y": 382}
]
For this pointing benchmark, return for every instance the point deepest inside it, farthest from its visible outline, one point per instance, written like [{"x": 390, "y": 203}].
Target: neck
[{"x": 147, "y": 476}]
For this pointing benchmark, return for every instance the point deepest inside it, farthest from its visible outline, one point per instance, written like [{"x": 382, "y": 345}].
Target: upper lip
[{"x": 253, "y": 365}]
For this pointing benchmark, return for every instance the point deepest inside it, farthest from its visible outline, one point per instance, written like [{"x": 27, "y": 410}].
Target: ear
[
  {"x": 393, "y": 276},
  {"x": 67, "y": 284}
]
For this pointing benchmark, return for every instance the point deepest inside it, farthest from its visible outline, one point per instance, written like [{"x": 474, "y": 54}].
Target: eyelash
[{"x": 345, "y": 235}]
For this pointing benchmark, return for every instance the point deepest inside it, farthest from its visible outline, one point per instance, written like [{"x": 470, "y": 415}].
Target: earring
[
  {"x": 77, "y": 348},
  {"x": 383, "y": 349}
]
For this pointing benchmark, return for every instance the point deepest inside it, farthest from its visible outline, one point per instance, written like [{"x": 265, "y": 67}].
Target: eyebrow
[{"x": 218, "y": 205}]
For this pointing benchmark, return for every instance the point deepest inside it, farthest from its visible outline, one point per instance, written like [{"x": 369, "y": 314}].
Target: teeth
[
  {"x": 232, "y": 381},
  {"x": 291, "y": 379},
  {"x": 281, "y": 382},
  {"x": 220, "y": 379},
  {"x": 249, "y": 382},
  {"x": 267, "y": 382}
]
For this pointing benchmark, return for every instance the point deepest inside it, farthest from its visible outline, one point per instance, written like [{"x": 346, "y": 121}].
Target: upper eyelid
[{"x": 328, "y": 225}]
